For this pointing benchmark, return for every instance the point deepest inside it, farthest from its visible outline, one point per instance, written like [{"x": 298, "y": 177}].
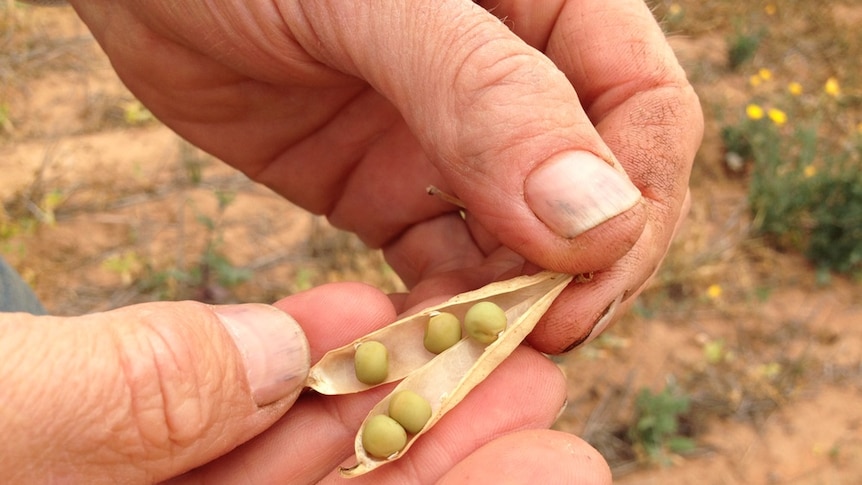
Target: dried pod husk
[
  {"x": 334, "y": 373},
  {"x": 447, "y": 378}
]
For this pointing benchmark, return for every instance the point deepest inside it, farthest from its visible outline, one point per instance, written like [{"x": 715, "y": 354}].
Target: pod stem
[{"x": 432, "y": 190}]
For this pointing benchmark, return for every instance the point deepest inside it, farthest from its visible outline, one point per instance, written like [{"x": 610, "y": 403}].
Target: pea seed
[
  {"x": 383, "y": 436},
  {"x": 443, "y": 331},
  {"x": 484, "y": 321},
  {"x": 411, "y": 410},
  {"x": 371, "y": 362}
]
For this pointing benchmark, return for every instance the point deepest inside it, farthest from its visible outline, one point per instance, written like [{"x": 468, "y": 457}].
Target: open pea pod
[
  {"x": 445, "y": 379},
  {"x": 335, "y": 374}
]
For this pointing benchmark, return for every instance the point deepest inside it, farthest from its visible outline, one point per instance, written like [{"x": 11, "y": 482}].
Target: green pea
[
  {"x": 484, "y": 321},
  {"x": 371, "y": 362},
  {"x": 411, "y": 410},
  {"x": 443, "y": 331},
  {"x": 383, "y": 436}
]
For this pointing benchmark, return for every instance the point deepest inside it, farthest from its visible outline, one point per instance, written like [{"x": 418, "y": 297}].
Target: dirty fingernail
[
  {"x": 574, "y": 192},
  {"x": 599, "y": 326},
  {"x": 273, "y": 348},
  {"x": 606, "y": 317}
]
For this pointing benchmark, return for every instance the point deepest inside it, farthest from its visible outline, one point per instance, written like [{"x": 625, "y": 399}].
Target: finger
[
  {"x": 144, "y": 392},
  {"x": 643, "y": 106},
  {"x": 646, "y": 112},
  {"x": 336, "y": 314},
  {"x": 509, "y": 400},
  {"x": 306, "y": 446},
  {"x": 308, "y": 129},
  {"x": 443, "y": 246},
  {"x": 532, "y": 456},
  {"x": 586, "y": 309},
  {"x": 490, "y": 112},
  {"x": 640, "y": 100}
]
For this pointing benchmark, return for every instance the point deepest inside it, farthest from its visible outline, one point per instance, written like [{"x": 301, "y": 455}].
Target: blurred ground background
[{"x": 742, "y": 364}]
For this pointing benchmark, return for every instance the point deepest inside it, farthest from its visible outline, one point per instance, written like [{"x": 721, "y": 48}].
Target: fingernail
[
  {"x": 562, "y": 409},
  {"x": 273, "y": 348},
  {"x": 599, "y": 326},
  {"x": 606, "y": 317},
  {"x": 574, "y": 192}
]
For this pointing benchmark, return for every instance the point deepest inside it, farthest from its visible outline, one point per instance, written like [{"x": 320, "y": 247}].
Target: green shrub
[
  {"x": 741, "y": 46},
  {"x": 655, "y": 430},
  {"x": 805, "y": 189}
]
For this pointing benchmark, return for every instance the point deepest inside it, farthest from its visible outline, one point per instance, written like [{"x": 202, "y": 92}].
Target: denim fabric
[{"x": 15, "y": 295}]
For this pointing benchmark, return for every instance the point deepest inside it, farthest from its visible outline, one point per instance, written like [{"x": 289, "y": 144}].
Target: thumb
[
  {"x": 142, "y": 393},
  {"x": 532, "y": 456},
  {"x": 499, "y": 120}
]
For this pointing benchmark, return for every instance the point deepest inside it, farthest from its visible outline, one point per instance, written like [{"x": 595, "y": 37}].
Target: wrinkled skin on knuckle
[
  {"x": 675, "y": 132},
  {"x": 475, "y": 65},
  {"x": 489, "y": 120},
  {"x": 655, "y": 135},
  {"x": 169, "y": 398}
]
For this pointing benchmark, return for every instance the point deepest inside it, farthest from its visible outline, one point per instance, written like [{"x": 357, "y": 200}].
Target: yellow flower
[
  {"x": 714, "y": 291},
  {"x": 809, "y": 171},
  {"x": 764, "y": 74},
  {"x": 832, "y": 88},
  {"x": 770, "y": 9},
  {"x": 754, "y": 80},
  {"x": 674, "y": 10},
  {"x": 794, "y": 88},
  {"x": 754, "y": 112},
  {"x": 777, "y": 116}
]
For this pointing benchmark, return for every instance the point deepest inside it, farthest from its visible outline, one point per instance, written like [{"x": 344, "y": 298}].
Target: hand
[
  {"x": 568, "y": 128},
  {"x": 148, "y": 392}
]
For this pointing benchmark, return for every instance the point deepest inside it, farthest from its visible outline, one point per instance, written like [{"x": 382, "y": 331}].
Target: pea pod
[
  {"x": 445, "y": 379},
  {"x": 335, "y": 372}
]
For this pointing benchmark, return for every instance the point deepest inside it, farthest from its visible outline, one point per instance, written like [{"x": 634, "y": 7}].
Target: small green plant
[
  {"x": 192, "y": 163},
  {"x": 835, "y": 241},
  {"x": 214, "y": 267},
  {"x": 805, "y": 189},
  {"x": 127, "y": 265},
  {"x": 47, "y": 210},
  {"x": 742, "y": 46},
  {"x": 655, "y": 430},
  {"x": 136, "y": 114},
  {"x": 210, "y": 275}
]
